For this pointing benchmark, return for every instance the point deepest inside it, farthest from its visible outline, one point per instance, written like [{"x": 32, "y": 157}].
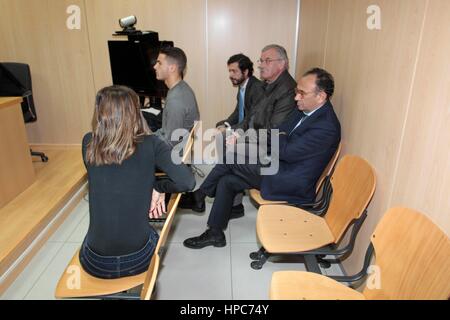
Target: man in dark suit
[
  {"x": 307, "y": 141},
  {"x": 240, "y": 69}
]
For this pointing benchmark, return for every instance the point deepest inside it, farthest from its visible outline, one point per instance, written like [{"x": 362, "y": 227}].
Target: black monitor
[{"x": 132, "y": 64}]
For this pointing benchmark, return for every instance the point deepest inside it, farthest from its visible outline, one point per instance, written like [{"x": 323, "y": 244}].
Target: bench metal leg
[{"x": 311, "y": 263}]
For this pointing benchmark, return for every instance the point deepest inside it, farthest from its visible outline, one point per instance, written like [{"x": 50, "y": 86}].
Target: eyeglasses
[
  {"x": 267, "y": 61},
  {"x": 303, "y": 93}
]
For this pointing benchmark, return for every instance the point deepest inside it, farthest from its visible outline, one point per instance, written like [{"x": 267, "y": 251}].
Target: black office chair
[{"x": 15, "y": 80}]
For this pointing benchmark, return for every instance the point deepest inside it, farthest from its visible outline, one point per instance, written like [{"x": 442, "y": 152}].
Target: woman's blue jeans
[{"x": 118, "y": 266}]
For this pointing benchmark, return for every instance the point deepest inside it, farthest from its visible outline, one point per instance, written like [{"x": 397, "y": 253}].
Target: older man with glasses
[
  {"x": 279, "y": 92},
  {"x": 277, "y": 105}
]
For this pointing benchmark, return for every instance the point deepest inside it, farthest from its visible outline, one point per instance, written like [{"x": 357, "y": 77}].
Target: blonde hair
[{"x": 117, "y": 126}]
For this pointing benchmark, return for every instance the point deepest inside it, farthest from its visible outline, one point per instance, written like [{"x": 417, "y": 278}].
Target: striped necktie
[{"x": 241, "y": 104}]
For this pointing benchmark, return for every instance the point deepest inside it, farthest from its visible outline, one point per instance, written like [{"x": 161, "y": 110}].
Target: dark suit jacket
[
  {"x": 276, "y": 106},
  {"x": 253, "y": 93},
  {"x": 303, "y": 156}
]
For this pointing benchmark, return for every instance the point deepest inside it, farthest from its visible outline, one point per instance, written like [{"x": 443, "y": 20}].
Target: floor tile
[
  {"x": 243, "y": 230},
  {"x": 71, "y": 223},
  {"x": 195, "y": 274},
  {"x": 80, "y": 231},
  {"x": 249, "y": 284},
  {"x": 44, "y": 288},
  {"x": 30, "y": 275}
]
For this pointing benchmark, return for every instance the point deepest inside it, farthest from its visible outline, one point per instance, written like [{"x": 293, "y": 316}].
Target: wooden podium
[{"x": 16, "y": 167}]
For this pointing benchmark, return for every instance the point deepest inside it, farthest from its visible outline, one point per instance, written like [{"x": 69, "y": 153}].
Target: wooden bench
[
  {"x": 258, "y": 200},
  {"x": 412, "y": 256},
  {"x": 284, "y": 229}
]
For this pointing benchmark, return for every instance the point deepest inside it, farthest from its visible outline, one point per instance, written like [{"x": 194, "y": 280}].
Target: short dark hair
[
  {"x": 244, "y": 63},
  {"x": 324, "y": 81},
  {"x": 177, "y": 56}
]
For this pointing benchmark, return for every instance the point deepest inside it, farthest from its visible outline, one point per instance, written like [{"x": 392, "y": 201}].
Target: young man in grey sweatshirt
[{"x": 181, "y": 109}]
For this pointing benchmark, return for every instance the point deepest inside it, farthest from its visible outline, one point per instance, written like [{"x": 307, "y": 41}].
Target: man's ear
[
  {"x": 323, "y": 96},
  {"x": 246, "y": 73},
  {"x": 173, "y": 68}
]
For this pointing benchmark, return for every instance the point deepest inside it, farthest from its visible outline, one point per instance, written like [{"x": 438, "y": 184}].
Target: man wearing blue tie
[
  {"x": 250, "y": 93},
  {"x": 240, "y": 69}
]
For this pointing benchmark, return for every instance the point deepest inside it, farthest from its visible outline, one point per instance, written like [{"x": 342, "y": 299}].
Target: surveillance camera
[{"x": 128, "y": 22}]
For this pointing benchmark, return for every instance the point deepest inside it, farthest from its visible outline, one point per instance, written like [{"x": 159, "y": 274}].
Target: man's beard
[{"x": 237, "y": 82}]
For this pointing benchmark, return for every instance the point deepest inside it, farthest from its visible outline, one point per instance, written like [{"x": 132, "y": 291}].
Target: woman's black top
[{"x": 120, "y": 196}]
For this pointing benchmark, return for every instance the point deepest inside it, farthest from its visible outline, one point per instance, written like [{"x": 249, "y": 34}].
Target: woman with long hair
[{"x": 120, "y": 155}]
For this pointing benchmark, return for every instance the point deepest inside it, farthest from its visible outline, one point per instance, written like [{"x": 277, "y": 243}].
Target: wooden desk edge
[{"x": 9, "y": 101}]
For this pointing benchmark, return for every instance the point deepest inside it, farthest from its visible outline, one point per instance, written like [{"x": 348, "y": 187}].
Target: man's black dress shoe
[
  {"x": 237, "y": 211},
  {"x": 193, "y": 200},
  {"x": 186, "y": 201},
  {"x": 198, "y": 203},
  {"x": 206, "y": 239}
]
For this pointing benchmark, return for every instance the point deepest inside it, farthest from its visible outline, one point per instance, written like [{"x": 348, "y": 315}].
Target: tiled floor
[{"x": 209, "y": 273}]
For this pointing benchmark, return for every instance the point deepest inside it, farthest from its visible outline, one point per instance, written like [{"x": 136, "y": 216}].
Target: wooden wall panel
[
  {"x": 178, "y": 20},
  {"x": 35, "y": 32},
  {"x": 236, "y": 26},
  {"x": 423, "y": 175},
  {"x": 69, "y": 67},
  {"x": 312, "y": 38},
  {"x": 373, "y": 72}
]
